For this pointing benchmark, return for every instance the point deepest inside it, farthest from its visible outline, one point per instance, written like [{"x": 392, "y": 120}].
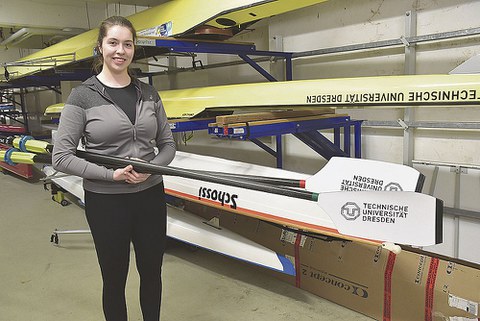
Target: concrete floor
[{"x": 40, "y": 281}]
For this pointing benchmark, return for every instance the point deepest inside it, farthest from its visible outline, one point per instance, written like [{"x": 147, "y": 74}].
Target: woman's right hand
[{"x": 120, "y": 174}]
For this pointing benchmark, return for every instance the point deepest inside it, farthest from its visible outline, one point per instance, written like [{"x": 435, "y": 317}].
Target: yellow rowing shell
[
  {"x": 389, "y": 91},
  {"x": 172, "y": 19}
]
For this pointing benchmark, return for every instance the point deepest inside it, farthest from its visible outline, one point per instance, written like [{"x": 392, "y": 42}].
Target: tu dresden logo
[
  {"x": 393, "y": 187},
  {"x": 350, "y": 211}
]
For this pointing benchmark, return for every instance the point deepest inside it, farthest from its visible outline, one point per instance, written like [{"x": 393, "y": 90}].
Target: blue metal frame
[
  {"x": 12, "y": 114},
  {"x": 191, "y": 125},
  {"x": 305, "y": 130},
  {"x": 242, "y": 50}
]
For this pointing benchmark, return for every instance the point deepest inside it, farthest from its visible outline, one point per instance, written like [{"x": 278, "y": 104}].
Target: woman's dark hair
[{"x": 105, "y": 25}]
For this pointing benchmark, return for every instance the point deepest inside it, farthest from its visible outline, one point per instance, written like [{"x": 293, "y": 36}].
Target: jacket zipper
[{"x": 137, "y": 112}]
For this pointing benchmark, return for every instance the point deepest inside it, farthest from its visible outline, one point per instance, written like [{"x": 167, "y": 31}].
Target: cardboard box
[
  {"x": 440, "y": 289},
  {"x": 409, "y": 286}
]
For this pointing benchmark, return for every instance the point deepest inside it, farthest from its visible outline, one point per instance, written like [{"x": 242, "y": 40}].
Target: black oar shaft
[
  {"x": 143, "y": 167},
  {"x": 260, "y": 183},
  {"x": 260, "y": 179},
  {"x": 46, "y": 148}
]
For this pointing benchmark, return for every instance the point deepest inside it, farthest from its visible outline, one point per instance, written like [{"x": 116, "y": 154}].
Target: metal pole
[
  {"x": 410, "y": 69},
  {"x": 172, "y": 66},
  {"x": 456, "y": 204}
]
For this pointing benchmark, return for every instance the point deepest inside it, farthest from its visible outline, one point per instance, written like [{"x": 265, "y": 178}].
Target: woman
[{"x": 115, "y": 114}]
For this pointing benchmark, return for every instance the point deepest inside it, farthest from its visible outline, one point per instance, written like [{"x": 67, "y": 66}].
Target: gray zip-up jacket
[{"x": 107, "y": 130}]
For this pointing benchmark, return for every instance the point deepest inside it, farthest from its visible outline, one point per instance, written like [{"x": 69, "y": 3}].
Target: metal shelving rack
[
  {"x": 306, "y": 131},
  {"x": 244, "y": 50}
]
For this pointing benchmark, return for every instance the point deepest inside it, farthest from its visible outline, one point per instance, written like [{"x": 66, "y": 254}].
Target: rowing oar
[
  {"x": 12, "y": 156},
  {"x": 347, "y": 174},
  {"x": 380, "y": 215},
  {"x": 339, "y": 174},
  {"x": 29, "y": 144}
]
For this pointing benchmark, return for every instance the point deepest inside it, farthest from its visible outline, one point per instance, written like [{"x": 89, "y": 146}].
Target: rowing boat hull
[
  {"x": 385, "y": 92},
  {"x": 172, "y": 19},
  {"x": 192, "y": 229},
  {"x": 388, "y": 91}
]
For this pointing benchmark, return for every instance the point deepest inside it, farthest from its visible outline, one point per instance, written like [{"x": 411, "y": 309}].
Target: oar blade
[
  {"x": 404, "y": 218},
  {"x": 355, "y": 174}
]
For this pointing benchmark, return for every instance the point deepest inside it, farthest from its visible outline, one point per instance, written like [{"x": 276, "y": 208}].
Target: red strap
[
  {"x": 387, "y": 287},
  {"x": 430, "y": 287}
]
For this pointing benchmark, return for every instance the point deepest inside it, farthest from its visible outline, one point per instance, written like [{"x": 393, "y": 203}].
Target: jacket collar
[{"x": 95, "y": 84}]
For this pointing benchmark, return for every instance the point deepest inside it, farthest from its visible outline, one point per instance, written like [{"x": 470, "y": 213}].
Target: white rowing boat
[{"x": 192, "y": 229}]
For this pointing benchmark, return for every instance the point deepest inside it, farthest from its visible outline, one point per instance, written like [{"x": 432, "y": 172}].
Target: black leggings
[{"x": 116, "y": 220}]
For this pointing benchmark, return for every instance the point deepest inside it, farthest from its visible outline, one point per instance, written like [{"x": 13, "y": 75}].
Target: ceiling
[{"x": 18, "y": 36}]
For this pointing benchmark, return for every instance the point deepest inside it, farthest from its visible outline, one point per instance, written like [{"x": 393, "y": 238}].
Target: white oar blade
[
  {"x": 403, "y": 218},
  {"x": 355, "y": 174}
]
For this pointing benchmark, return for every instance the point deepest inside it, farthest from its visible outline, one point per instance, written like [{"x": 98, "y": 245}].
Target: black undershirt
[{"x": 125, "y": 98}]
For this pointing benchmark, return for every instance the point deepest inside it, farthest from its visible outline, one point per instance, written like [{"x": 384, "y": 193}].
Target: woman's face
[{"x": 117, "y": 49}]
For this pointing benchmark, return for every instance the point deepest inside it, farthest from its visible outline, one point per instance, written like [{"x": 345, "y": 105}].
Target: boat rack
[
  {"x": 306, "y": 129},
  {"x": 243, "y": 50},
  {"x": 10, "y": 114}
]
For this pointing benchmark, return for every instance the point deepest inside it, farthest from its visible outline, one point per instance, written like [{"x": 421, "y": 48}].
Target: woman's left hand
[{"x": 133, "y": 177}]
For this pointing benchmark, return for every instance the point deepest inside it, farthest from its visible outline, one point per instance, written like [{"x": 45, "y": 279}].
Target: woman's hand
[
  {"x": 129, "y": 175},
  {"x": 134, "y": 177},
  {"x": 120, "y": 174}
]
